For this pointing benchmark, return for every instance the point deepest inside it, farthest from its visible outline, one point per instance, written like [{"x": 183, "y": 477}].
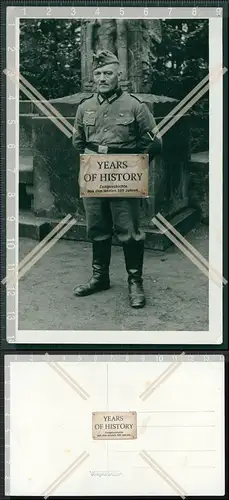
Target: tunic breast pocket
[
  {"x": 89, "y": 125},
  {"x": 125, "y": 126}
]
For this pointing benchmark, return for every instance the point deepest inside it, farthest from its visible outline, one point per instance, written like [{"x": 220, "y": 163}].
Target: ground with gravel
[{"x": 176, "y": 290}]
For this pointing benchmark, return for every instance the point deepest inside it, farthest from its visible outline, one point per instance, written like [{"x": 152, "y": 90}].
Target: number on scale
[
  {"x": 121, "y": 12},
  {"x": 146, "y": 11},
  {"x": 11, "y": 146},
  {"x": 48, "y": 11},
  {"x": 10, "y": 246},
  {"x": 218, "y": 11},
  {"x": 11, "y": 122},
  {"x": 73, "y": 11},
  {"x": 10, "y": 316},
  {"x": 160, "y": 358},
  {"x": 11, "y": 268},
  {"x": 97, "y": 12},
  {"x": 194, "y": 11},
  {"x": 170, "y": 10},
  {"x": 9, "y": 72}
]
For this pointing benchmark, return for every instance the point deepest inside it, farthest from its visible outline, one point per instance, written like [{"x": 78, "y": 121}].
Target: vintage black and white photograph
[{"x": 132, "y": 266}]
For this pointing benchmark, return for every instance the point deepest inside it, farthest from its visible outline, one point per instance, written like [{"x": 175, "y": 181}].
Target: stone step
[
  {"x": 202, "y": 157},
  {"x": 31, "y": 226},
  {"x": 37, "y": 228}
]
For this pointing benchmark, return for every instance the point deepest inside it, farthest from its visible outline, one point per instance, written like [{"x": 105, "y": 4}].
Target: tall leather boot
[
  {"x": 100, "y": 265},
  {"x": 134, "y": 253}
]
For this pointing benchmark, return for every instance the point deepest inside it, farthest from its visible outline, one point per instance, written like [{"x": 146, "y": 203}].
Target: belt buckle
[{"x": 102, "y": 149}]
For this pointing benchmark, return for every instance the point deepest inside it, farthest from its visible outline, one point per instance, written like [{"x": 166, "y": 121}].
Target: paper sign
[
  {"x": 113, "y": 176},
  {"x": 114, "y": 425}
]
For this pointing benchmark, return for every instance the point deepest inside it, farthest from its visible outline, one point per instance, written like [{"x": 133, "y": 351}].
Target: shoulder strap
[
  {"x": 86, "y": 98},
  {"x": 137, "y": 98}
]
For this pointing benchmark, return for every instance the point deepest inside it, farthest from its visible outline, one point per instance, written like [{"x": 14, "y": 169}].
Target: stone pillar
[
  {"x": 56, "y": 169},
  {"x": 133, "y": 41}
]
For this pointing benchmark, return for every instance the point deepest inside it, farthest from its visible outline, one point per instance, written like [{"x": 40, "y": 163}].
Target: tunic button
[
  {"x": 105, "y": 130},
  {"x": 105, "y": 115}
]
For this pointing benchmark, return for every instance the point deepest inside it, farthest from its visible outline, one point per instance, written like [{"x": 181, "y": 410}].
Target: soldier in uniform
[{"x": 114, "y": 122}]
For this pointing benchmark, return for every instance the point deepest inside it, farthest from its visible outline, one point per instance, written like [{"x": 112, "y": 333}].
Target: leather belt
[{"x": 103, "y": 149}]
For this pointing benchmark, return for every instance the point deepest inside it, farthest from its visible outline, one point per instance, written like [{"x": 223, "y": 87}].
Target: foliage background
[{"x": 50, "y": 60}]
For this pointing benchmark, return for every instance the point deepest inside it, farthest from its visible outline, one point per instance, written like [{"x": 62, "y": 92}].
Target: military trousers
[{"x": 105, "y": 216}]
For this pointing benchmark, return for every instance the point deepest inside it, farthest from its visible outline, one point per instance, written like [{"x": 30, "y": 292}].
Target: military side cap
[{"x": 103, "y": 57}]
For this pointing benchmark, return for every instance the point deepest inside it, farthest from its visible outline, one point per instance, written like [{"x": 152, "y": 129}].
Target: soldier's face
[{"x": 106, "y": 78}]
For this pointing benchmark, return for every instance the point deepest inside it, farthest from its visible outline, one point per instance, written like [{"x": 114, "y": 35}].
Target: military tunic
[{"x": 119, "y": 123}]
